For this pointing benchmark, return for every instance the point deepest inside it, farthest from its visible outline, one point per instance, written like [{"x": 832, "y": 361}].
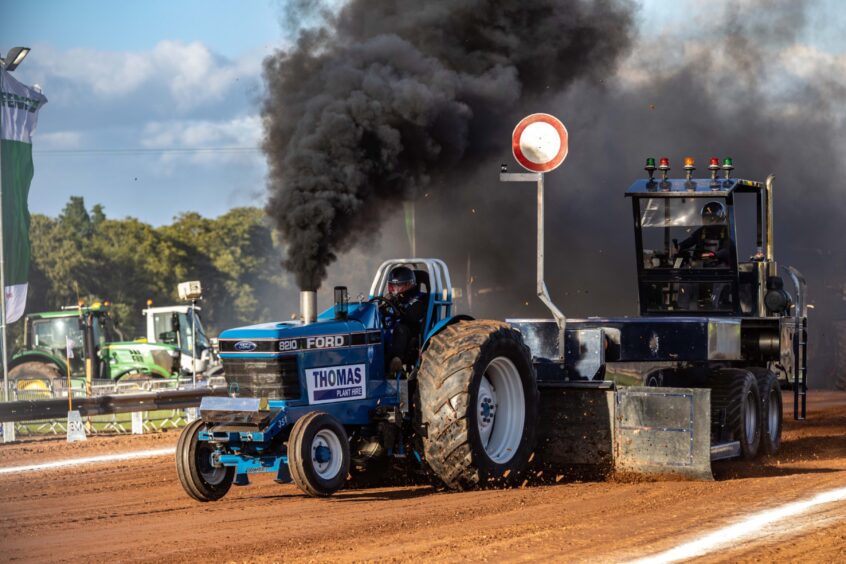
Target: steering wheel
[
  {"x": 687, "y": 257},
  {"x": 388, "y": 304}
]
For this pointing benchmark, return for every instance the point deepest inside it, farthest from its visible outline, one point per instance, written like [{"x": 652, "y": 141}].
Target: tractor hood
[{"x": 293, "y": 336}]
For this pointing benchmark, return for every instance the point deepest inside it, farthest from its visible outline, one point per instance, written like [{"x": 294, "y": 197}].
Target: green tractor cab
[{"x": 98, "y": 351}]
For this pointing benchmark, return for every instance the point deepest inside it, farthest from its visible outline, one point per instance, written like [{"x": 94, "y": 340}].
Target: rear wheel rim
[
  {"x": 751, "y": 422},
  {"x": 326, "y": 454},
  {"x": 501, "y": 410},
  {"x": 773, "y": 413}
]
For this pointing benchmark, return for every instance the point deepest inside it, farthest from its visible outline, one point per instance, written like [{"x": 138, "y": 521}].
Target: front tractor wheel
[
  {"x": 201, "y": 476},
  {"x": 319, "y": 454},
  {"x": 479, "y": 402}
]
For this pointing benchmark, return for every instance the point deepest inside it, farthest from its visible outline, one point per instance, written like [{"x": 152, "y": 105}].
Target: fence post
[
  {"x": 8, "y": 432},
  {"x": 137, "y": 423}
]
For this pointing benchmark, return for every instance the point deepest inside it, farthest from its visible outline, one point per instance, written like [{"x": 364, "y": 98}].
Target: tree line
[{"x": 84, "y": 254}]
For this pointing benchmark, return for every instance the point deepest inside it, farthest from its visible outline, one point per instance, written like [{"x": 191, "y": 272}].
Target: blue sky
[
  {"x": 134, "y": 88},
  {"x": 153, "y": 106},
  {"x": 228, "y": 28}
]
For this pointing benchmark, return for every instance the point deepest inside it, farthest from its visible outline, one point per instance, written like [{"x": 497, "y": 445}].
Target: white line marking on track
[
  {"x": 88, "y": 460},
  {"x": 753, "y": 527}
]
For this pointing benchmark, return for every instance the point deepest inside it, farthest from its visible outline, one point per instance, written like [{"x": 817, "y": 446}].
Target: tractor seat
[{"x": 422, "y": 281}]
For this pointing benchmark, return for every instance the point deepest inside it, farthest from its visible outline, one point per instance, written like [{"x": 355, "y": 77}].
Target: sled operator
[{"x": 710, "y": 243}]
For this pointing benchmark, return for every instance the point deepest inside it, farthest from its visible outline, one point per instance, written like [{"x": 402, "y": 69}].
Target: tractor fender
[
  {"x": 443, "y": 324},
  {"x": 143, "y": 369},
  {"x": 38, "y": 356}
]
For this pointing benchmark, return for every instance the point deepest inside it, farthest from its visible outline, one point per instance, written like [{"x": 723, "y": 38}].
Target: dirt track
[{"x": 136, "y": 510}]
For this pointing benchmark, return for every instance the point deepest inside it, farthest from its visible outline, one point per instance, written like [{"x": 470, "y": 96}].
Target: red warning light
[
  {"x": 714, "y": 162},
  {"x": 664, "y": 163}
]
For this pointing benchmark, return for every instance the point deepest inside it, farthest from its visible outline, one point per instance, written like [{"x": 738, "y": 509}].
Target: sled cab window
[{"x": 684, "y": 233}]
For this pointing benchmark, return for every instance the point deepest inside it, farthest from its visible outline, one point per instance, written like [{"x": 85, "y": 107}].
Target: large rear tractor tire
[
  {"x": 35, "y": 378},
  {"x": 735, "y": 392},
  {"x": 479, "y": 404},
  {"x": 772, "y": 410},
  {"x": 198, "y": 474},
  {"x": 319, "y": 454}
]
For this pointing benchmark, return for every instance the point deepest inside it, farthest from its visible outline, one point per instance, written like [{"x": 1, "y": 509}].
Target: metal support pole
[
  {"x": 542, "y": 291},
  {"x": 3, "y": 266},
  {"x": 769, "y": 217},
  {"x": 193, "y": 343},
  {"x": 8, "y": 428}
]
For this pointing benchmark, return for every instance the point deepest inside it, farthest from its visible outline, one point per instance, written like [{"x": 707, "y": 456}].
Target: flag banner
[{"x": 19, "y": 105}]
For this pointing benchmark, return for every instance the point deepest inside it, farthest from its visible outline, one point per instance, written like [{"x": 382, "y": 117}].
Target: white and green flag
[{"x": 19, "y": 105}]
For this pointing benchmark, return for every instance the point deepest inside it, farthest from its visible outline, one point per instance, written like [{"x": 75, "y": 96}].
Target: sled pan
[{"x": 662, "y": 431}]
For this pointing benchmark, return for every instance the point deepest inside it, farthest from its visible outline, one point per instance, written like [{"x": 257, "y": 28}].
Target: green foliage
[{"x": 89, "y": 256}]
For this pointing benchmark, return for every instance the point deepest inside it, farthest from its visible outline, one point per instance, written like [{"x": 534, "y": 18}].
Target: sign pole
[
  {"x": 70, "y": 388},
  {"x": 193, "y": 343},
  {"x": 540, "y": 144}
]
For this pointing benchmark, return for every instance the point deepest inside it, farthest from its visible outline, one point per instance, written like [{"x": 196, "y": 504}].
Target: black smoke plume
[{"x": 376, "y": 106}]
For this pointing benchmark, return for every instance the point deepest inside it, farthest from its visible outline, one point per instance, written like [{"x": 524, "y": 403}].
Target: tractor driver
[
  {"x": 710, "y": 243},
  {"x": 406, "y": 322}
]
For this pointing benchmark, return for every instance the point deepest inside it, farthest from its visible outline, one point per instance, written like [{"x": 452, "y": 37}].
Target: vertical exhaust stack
[{"x": 308, "y": 306}]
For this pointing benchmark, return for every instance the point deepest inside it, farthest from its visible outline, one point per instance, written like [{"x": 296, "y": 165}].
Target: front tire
[
  {"x": 479, "y": 403},
  {"x": 200, "y": 478},
  {"x": 319, "y": 454}
]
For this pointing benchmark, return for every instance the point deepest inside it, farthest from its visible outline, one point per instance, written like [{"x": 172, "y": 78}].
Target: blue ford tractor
[
  {"x": 315, "y": 401},
  {"x": 695, "y": 378}
]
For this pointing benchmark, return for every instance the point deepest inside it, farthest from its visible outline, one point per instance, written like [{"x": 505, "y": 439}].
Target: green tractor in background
[{"x": 99, "y": 351}]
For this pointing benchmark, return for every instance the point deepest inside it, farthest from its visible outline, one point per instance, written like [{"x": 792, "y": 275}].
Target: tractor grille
[{"x": 275, "y": 378}]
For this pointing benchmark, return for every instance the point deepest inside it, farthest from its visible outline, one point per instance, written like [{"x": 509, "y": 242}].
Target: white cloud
[
  {"x": 58, "y": 140},
  {"x": 195, "y": 73},
  {"x": 243, "y": 131},
  {"x": 233, "y": 139},
  {"x": 190, "y": 72}
]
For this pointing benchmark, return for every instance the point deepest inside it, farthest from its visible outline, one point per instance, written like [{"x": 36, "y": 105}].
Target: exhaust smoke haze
[{"x": 390, "y": 101}]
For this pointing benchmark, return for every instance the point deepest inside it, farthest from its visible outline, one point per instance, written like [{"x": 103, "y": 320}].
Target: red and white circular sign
[{"x": 539, "y": 143}]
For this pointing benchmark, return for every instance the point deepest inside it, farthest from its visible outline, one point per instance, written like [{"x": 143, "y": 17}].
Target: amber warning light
[{"x": 688, "y": 167}]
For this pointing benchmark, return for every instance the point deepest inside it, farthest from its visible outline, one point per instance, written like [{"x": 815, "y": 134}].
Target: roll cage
[{"x": 431, "y": 273}]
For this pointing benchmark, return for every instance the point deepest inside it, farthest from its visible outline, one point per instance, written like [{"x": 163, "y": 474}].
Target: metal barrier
[
  {"x": 59, "y": 389},
  {"x": 151, "y": 422},
  {"x": 161, "y": 404},
  {"x": 34, "y": 410}
]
